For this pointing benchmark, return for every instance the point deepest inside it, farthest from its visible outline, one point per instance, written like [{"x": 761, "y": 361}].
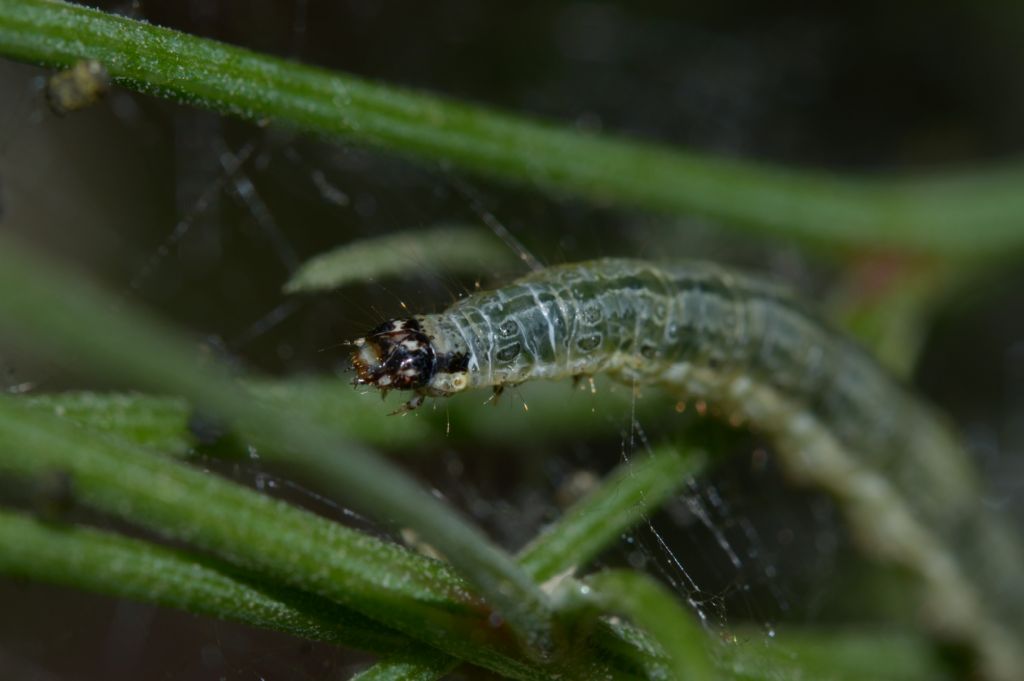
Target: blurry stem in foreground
[
  {"x": 980, "y": 213},
  {"x": 54, "y": 314}
]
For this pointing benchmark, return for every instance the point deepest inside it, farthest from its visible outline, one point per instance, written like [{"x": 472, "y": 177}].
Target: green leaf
[
  {"x": 446, "y": 250},
  {"x": 418, "y": 596},
  {"x": 631, "y": 491},
  {"x": 405, "y": 669},
  {"x": 128, "y": 568}
]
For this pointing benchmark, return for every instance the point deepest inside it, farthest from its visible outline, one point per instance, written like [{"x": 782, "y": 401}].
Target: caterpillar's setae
[{"x": 838, "y": 419}]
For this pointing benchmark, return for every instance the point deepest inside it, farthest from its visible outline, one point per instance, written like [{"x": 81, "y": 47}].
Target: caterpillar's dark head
[
  {"x": 402, "y": 355},
  {"x": 397, "y": 355}
]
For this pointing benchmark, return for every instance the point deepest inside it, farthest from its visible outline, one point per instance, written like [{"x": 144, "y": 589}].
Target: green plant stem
[
  {"x": 82, "y": 329},
  {"x": 555, "y": 411},
  {"x": 832, "y": 655},
  {"x": 253, "y": 531},
  {"x": 157, "y": 422},
  {"x": 591, "y": 524},
  {"x": 630, "y": 492},
  {"x": 128, "y": 568},
  {"x": 653, "y": 607},
  {"x": 439, "y": 249},
  {"x": 70, "y": 556},
  {"x": 405, "y": 669},
  {"x": 558, "y": 549},
  {"x": 957, "y": 215},
  {"x": 418, "y": 596}
]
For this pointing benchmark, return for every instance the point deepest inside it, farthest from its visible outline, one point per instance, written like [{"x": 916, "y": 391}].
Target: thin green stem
[
  {"x": 81, "y": 328},
  {"x": 406, "y": 669},
  {"x": 252, "y": 530},
  {"x": 415, "y": 595},
  {"x": 631, "y": 491},
  {"x": 439, "y": 249},
  {"x": 853, "y": 654},
  {"x": 136, "y": 570},
  {"x": 555, "y": 411},
  {"x": 128, "y": 568},
  {"x": 157, "y": 422},
  {"x": 978, "y": 214},
  {"x": 655, "y": 609}
]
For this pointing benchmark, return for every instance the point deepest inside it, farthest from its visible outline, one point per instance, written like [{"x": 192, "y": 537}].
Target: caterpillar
[{"x": 749, "y": 348}]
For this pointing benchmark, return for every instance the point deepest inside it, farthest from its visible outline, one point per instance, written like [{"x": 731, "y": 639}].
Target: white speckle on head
[
  {"x": 368, "y": 355},
  {"x": 448, "y": 383}
]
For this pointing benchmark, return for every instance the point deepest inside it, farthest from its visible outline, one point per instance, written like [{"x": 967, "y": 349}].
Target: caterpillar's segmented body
[{"x": 701, "y": 331}]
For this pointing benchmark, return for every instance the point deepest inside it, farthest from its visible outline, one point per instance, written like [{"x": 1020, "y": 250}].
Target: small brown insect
[{"x": 78, "y": 87}]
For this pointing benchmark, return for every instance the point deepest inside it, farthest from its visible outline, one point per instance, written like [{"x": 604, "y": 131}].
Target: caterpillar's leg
[
  {"x": 412, "y": 405},
  {"x": 579, "y": 378},
  {"x": 497, "y": 391}
]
